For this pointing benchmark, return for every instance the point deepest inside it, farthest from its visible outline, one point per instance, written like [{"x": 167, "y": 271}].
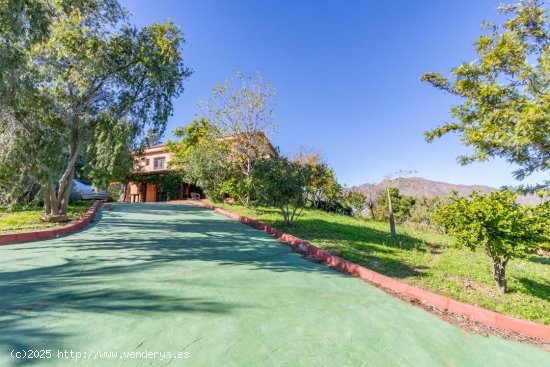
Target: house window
[
  {"x": 147, "y": 162},
  {"x": 159, "y": 163}
]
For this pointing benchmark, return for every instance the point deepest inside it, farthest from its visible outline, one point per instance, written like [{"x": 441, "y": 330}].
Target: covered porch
[{"x": 151, "y": 187}]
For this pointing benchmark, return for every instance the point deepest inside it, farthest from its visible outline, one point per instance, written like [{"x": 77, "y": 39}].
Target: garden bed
[{"x": 17, "y": 219}]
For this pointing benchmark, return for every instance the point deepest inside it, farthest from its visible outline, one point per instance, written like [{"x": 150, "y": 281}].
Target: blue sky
[{"x": 346, "y": 73}]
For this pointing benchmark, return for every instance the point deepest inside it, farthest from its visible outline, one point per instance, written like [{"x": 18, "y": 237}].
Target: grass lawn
[
  {"x": 26, "y": 218},
  {"x": 422, "y": 258}
]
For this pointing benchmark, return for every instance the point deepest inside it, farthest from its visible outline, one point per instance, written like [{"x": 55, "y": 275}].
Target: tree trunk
[
  {"x": 126, "y": 194},
  {"x": 65, "y": 193},
  {"x": 314, "y": 198},
  {"x": 54, "y": 202},
  {"x": 51, "y": 206},
  {"x": 57, "y": 201},
  {"x": 392, "y": 220},
  {"x": 285, "y": 216},
  {"x": 47, "y": 203},
  {"x": 371, "y": 209},
  {"x": 499, "y": 274},
  {"x": 248, "y": 174},
  {"x": 245, "y": 200}
]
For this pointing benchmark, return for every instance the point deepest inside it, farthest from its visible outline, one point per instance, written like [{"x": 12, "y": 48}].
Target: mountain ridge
[{"x": 421, "y": 187}]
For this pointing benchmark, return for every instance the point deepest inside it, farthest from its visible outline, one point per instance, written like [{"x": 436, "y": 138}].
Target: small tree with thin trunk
[
  {"x": 322, "y": 185},
  {"x": 391, "y": 217},
  {"x": 372, "y": 195},
  {"x": 495, "y": 223},
  {"x": 242, "y": 111},
  {"x": 282, "y": 183},
  {"x": 239, "y": 118},
  {"x": 356, "y": 200}
]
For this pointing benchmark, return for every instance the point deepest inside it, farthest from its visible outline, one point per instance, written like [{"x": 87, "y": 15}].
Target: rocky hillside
[{"x": 421, "y": 187}]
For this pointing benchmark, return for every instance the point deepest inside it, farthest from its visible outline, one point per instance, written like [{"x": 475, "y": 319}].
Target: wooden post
[{"x": 392, "y": 220}]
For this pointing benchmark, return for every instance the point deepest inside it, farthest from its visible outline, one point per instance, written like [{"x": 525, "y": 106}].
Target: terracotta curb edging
[
  {"x": 472, "y": 312},
  {"x": 46, "y": 234}
]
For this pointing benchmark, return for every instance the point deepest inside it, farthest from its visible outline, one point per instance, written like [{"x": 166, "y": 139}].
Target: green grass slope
[{"x": 27, "y": 218}]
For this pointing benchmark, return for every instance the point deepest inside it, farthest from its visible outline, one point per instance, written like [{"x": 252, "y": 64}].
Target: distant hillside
[{"x": 421, "y": 187}]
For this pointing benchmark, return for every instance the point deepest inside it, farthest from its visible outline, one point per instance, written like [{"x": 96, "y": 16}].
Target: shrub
[
  {"x": 115, "y": 191},
  {"x": 401, "y": 204},
  {"x": 496, "y": 224},
  {"x": 281, "y": 183}
]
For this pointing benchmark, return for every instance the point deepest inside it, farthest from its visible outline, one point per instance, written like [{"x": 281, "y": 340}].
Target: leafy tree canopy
[
  {"x": 152, "y": 138},
  {"x": 209, "y": 169},
  {"x": 401, "y": 205},
  {"x": 322, "y": 184},
  {"x": 356, "y": 200},
  {"x": 281, "y": 183},
  {"x": 239, "y": 119},
  {"x": 90, "y": 86},
  {"x": 169, "y": 182},
  {"x": 200, "y": 131},
  {"x": 202, "y": 157},
  {"x": 496, "y": 224},
  {"x": 506, "y": 92},
  {"x": 242, "y": 109}
]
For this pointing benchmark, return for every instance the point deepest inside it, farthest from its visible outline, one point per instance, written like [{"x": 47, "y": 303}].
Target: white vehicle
[{"x": 87, "y": 192}]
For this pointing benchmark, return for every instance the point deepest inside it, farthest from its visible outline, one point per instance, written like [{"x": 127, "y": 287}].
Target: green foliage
[
  {"x": 202, "y": 157},
  {"x": 169, "y": 182},
  {"x": 208, "y": 168},
  {"x": 89, "y": 85},
  {"x": 242, "y": 111},
  {"x": 422, "y": 211},
  {"x": 108, "y": 156},
  {"x": 220, "y": 153},
  {"x": 199, "y": 132},
  {"x": 20, "y": 191},
  {"x": 152, "y": 138},
  {"x": 238, "y": 186},
  {"x": 356, "y": 200},
  {"x": 23, "y": 218},
  {"x": 496, "y": 224},
  {"x": 542, "y": 213},
  {"x": 322, "y": 187},
  {"x": 506, "y": 112},
  {"x": 23, "y": 23},
  {"x": 281, "y": 183},
  {"x": 402, "y": 206},
  {"x": 115, "y": 191}
]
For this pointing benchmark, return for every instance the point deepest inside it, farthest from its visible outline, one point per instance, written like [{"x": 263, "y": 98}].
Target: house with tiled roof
[
  {"x": 152, "y": 167},
  {"x": 143, "y": 184}
]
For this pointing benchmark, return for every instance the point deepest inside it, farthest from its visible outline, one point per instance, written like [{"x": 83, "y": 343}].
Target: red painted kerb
[
  {"x": 475, "y": 313},
  {"x": 46, "y": 234}
]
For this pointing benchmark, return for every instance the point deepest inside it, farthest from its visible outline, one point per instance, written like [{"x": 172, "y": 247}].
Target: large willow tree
[
  {"x": 85, "y": 84},
  {"x": 505, "y": 92}
]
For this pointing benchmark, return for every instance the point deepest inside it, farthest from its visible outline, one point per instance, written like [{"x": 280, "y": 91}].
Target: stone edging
[
  {"x": 475, "y": 313},
  {"x": 45, "y": 234}
]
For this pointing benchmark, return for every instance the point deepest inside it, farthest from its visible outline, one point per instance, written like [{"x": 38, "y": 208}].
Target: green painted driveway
[{"x": 153, "y": 279}]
